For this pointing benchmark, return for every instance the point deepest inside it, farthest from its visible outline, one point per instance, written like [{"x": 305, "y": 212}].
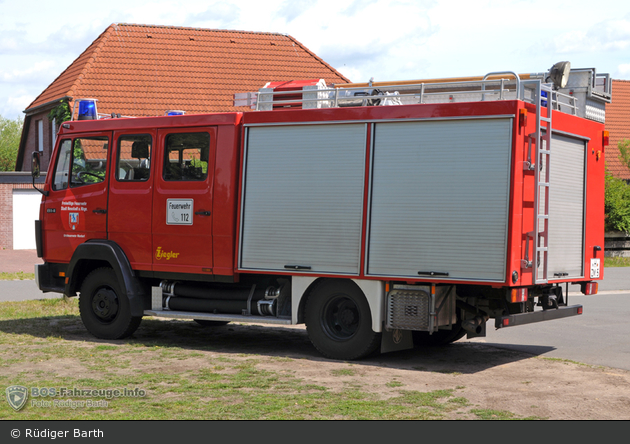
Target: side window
[
  {"x": 60, "y": 181},
  {"x": 134, "y": 157},
  {"x": 186, "y": 156},
  {"x": 89, "y": 160}
]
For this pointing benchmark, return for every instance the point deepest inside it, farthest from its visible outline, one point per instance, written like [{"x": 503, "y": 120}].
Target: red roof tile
[
  {"x": 618, "y": 125},
  {"x": 142, "y": 70}
]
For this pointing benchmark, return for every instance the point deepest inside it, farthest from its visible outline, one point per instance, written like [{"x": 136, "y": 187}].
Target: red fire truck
[{"x": 381, "y": 216}]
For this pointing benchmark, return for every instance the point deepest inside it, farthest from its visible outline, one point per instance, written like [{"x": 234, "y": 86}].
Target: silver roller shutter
[
  {"x": 303, "y": 197},
  {"x": 566, "y": 207},
  {"x": 440, "y": 198}
]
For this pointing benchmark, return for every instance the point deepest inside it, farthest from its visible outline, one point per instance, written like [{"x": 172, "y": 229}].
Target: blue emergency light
[
  {"x": 174, "y": 112},
  {"x": 87, "y": 110}
]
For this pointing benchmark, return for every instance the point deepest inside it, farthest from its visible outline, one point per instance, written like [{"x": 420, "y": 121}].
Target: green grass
[
  {"x": 20, "y": 275},
  {"x": 497, "y": 415},
  {"x": 566, "y": 361},
  {"x": 176, "y": 364},
  {"x": 617, "y": 262},
  {"x": 343, "y": 372}
]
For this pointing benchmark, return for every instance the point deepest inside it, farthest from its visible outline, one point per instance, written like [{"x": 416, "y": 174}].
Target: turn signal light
[
  {"x": 522, "y": 117},
  {"x": 518, "y": 295}
]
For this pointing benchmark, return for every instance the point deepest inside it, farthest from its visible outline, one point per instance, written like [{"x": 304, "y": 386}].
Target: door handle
[
  {"x": 99, "y": 211},
  {"x": 202, "y": 213}
]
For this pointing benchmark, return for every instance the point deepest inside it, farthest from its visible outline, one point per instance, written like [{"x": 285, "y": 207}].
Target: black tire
[
  {"x": 440, "y": 337},
  {"x": 339, "y": 322},
  {"x": 207, "y": 323},
  {"x": 105, "y": 311}
]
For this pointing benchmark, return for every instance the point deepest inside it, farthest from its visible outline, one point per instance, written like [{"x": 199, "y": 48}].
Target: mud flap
[{"x": 395, "y": 340}]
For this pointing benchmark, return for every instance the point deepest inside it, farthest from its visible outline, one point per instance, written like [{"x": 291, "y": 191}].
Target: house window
[
  {"x": 40, "y": 135},
  {"x": 53, "y": 132}
]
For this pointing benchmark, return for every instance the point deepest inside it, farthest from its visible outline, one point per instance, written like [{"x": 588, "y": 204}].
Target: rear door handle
[
  {"x": 202, "y": 213},
  {"x": 99, "y": 211}
]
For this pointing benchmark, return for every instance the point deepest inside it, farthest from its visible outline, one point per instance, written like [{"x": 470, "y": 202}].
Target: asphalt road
[
  {"x": 23, "y": 291},
  {"x": 600, "y": 336}
]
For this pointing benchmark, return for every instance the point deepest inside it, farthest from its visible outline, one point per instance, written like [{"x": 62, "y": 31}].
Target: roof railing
[{"x": 443, "y": 92}]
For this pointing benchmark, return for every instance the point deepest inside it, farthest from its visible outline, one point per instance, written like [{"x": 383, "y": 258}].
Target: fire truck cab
[{"x": 412, "y": 214}]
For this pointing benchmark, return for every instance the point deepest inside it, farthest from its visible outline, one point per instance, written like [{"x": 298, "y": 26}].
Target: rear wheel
[
  {"x": 105, "y": 310},
  {"x": 440, "y": 337},
  {"x": 339, "y": 322}
]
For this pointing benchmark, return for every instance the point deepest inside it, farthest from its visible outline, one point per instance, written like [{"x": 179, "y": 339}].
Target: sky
[{"x": 362, "y": 39}]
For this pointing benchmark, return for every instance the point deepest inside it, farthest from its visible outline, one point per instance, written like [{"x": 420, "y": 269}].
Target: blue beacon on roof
[{"x": 87, "y": 110}]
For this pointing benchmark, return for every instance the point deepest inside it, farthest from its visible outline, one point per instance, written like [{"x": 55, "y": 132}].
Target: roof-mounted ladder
[{"x": 541, "y": 167}]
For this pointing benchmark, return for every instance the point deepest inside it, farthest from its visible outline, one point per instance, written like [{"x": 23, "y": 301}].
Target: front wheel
[
  {"x": 339, "y": 322},
  {"x": 105, "y": 310}
]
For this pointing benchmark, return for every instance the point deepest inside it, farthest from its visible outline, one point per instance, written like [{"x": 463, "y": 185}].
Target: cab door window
[
  {"x": 134, "y": 157},
  {"x": 60, "y": 181},
  {"x": 89, "y": 160},
  {"x": 186, "y": 157}
]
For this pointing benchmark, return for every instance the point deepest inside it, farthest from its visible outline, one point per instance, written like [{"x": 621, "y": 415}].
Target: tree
[
  {"x": 624, "y": 151},
  {"x": 60, "y": 113},
  {"x": 617, "y": 197},
  {"x": 617, "y": 204},
  {"x": 10, "y": 133}
]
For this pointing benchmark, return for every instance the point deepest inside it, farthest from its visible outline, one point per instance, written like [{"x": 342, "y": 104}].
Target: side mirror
[
  {"x": 35, "y": 165},
  {"x": 35, "y": 170}
]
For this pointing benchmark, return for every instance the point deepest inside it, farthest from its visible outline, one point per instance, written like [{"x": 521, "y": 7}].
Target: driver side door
[{"x": 76, "y": 208}]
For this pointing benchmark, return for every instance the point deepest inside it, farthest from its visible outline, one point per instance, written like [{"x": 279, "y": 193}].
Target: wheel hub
[
  {"x": 341, "y": 318},
  {"x": 105, "y": 304}
]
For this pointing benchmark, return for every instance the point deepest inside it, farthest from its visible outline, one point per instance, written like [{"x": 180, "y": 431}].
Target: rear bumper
[{"x": 537, "y": 316}]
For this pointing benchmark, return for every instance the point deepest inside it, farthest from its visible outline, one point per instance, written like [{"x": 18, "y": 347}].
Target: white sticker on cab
[{"x": 179, "y": 211}]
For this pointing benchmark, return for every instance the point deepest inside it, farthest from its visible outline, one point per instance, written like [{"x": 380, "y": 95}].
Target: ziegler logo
[{"x": 159, "y": 254}]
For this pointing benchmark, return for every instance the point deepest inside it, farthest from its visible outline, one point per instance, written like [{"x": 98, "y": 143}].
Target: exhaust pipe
[{"x": 475, "y": 324}]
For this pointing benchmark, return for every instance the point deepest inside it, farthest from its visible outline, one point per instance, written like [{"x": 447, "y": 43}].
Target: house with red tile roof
[
  {"x": 618, "y": 125},
  {"x": 143, "y": 70}
]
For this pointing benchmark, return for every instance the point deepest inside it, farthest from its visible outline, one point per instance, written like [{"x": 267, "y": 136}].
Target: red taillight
[
  {"x": 579, "y": 310},
  {"x": 518, "y": 295},
  {"x": 590, "y": 288},
  {"x": 506, "y": 322},
  {"x": 605, "y": 139}
]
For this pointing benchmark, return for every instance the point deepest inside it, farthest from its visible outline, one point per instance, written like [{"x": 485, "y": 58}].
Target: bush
[{"x": 617, "y": 204}]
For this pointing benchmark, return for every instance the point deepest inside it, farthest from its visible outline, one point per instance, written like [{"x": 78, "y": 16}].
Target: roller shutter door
[
  {"x": 440, "y": 199},
  {"x": 303, "y": 198},
  {"x": 566, "y": 208}
]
